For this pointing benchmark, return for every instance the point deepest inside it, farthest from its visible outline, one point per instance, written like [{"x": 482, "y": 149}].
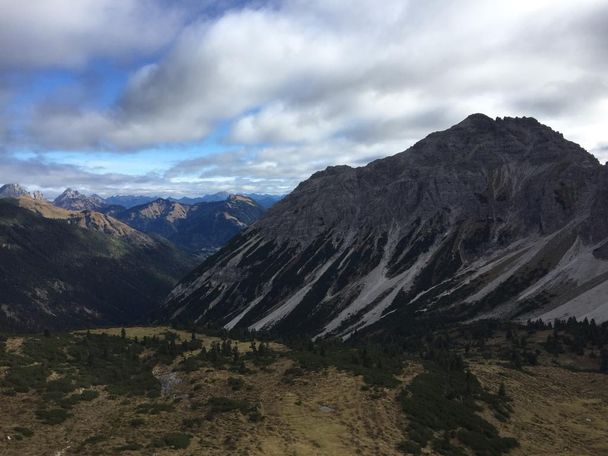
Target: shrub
[
  {"x": 235, "y": 383},
  {"x": 192, "y": 422},
  {"x": 129, "y": 446},
  {"x": 52, "y": 416},
  {"x": 137, "y": 422},
  {"x": 219, "y": 405},
  {"x": 25, "y": 432},
  {"x": 151, "y": 408},
  {"x": 409, "y": 447},
  {"x": 89, "y": 395},
  {"x": 177, "y": 440},
  {"x": 94, "y": 439}
]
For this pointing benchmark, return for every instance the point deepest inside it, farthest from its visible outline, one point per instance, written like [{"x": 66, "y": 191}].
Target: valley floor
[{"x": 272, "y": 407}]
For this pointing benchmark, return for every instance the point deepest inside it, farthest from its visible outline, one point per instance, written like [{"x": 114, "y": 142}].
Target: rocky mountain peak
[
  {"x": 74, "y": 200},
  {"x": 17, "y": 191},
  {"x": 489, "y": 217}
]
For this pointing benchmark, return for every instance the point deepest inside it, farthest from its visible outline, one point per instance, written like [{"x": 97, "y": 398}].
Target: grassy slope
[
  {"x": 51, "y": 270},
  {"x": 555, "y": 410}
]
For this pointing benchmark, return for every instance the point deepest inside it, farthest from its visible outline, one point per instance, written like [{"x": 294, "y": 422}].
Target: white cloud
[
  {"x": 68, "y": 33},
  {"x": 312, "y": 83},
  {"x": 305, "y": 71}
]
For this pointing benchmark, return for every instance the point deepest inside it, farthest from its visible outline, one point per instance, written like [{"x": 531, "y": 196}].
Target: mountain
[
  {"x": 56, "y": 267},
  {"x": 265, "y": 200},
  {"x": 128, "y": 201},
  {"x": 219, "y": 196},
  {"x": 74, "y": 200},
  {"x": 112, "y": 210},
  {"x": 491, "y": 218},
  {"x": 16, "y": 190},
  {"x": 200, "y": 228}
]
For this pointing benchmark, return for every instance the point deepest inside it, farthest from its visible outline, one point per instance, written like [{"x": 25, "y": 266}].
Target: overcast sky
[{"x": 194, "y": 96}]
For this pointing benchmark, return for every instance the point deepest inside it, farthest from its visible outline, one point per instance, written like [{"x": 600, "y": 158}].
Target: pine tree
[
  {"x": 502, "y": 390},
  {"x": 604, "y": 361}
]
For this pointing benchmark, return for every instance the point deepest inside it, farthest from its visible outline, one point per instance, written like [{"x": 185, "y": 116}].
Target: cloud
[
  {"x": 305, "y": 84},
  {"x": 276, "y": 169},
  {"x": 66, "y": 33},
  {"x": 308, "y": 71},
  {"x": 36, "y": 173}
]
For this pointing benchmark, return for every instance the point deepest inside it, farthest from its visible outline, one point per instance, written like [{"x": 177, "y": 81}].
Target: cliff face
[{"x": 500, "y": 218}]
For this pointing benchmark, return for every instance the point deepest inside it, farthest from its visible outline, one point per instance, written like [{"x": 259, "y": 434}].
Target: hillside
[
  {"x": 480, "y": 389},
  {"x": 62, "y": 269},
  {"x": 200, "y": 228},
  {"x": 490, "y": 218}
]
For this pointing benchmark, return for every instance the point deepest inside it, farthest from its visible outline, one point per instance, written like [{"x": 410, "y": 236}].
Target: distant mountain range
[
  {"x": 75, "y": 200},
  {"x": 129, "y": 201},
  {"x": 80, "y": 261},
  {"x": 61, "y": 268},
  {"x": 199, "y": 228},
  {"x": 489, "y": 219}
]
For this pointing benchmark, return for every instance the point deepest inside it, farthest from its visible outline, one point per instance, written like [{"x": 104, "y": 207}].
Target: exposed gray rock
[
  {"x": 501, "y": 218},
  {"x": 17, "y": 191},
  {"x": 76, "y": 201}
]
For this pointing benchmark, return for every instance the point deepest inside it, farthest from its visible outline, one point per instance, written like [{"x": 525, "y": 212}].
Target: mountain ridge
[
  {"x": 56, "y": 265},
  {"x": 448, "y": 226},
  {"x": 199, "y": 228}
]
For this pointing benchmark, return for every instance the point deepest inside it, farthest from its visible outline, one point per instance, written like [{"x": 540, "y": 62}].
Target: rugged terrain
[
  {"x": 201, "y": 228},
  {"x": 490, "y": 218},
  {"x": 62, "y": 268},
  {"x": 74, "y": 200},
  {"x": 155, "y": 390},
  {"x": 17, "y": 191}
]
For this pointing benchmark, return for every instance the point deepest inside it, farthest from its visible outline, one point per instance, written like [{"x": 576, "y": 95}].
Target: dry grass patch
[{"x": 555, "y": 411}]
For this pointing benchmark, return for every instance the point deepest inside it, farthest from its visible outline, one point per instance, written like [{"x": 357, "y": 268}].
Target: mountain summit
[
  {"x": 76, "y": 201},
  {"x": 17, "y": 191},
  {"x": 499, "y": 218},
  {"x": 198, "y": 228}
]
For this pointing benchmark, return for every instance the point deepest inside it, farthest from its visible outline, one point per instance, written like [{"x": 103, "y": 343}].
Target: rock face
[
  {"x": 199, "y": 228},
  {"x": 76, "y": 201},
  {"x": 16, "y": 191},
  {"x": 490, "y": 218},
  {"x": 65, "y": 269}
]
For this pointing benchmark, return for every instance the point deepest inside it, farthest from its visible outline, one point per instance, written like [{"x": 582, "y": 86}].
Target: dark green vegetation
[
  {"x": 49, "y": 268},
  {"x": 219, "y": 405},
  {"x": 376, "y": 364},
  {"x": 442, "y": 405},
  {"x": 445, "y": 408},
  {"x": 65, "y": 369},
  {"x": 175, "y": 440}
]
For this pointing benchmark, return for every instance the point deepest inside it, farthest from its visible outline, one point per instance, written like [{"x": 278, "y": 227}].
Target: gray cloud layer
[{"x": 312, "y": 83}]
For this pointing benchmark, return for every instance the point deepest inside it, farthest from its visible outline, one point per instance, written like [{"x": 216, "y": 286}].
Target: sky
[{"x": 186, "y": 97}]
